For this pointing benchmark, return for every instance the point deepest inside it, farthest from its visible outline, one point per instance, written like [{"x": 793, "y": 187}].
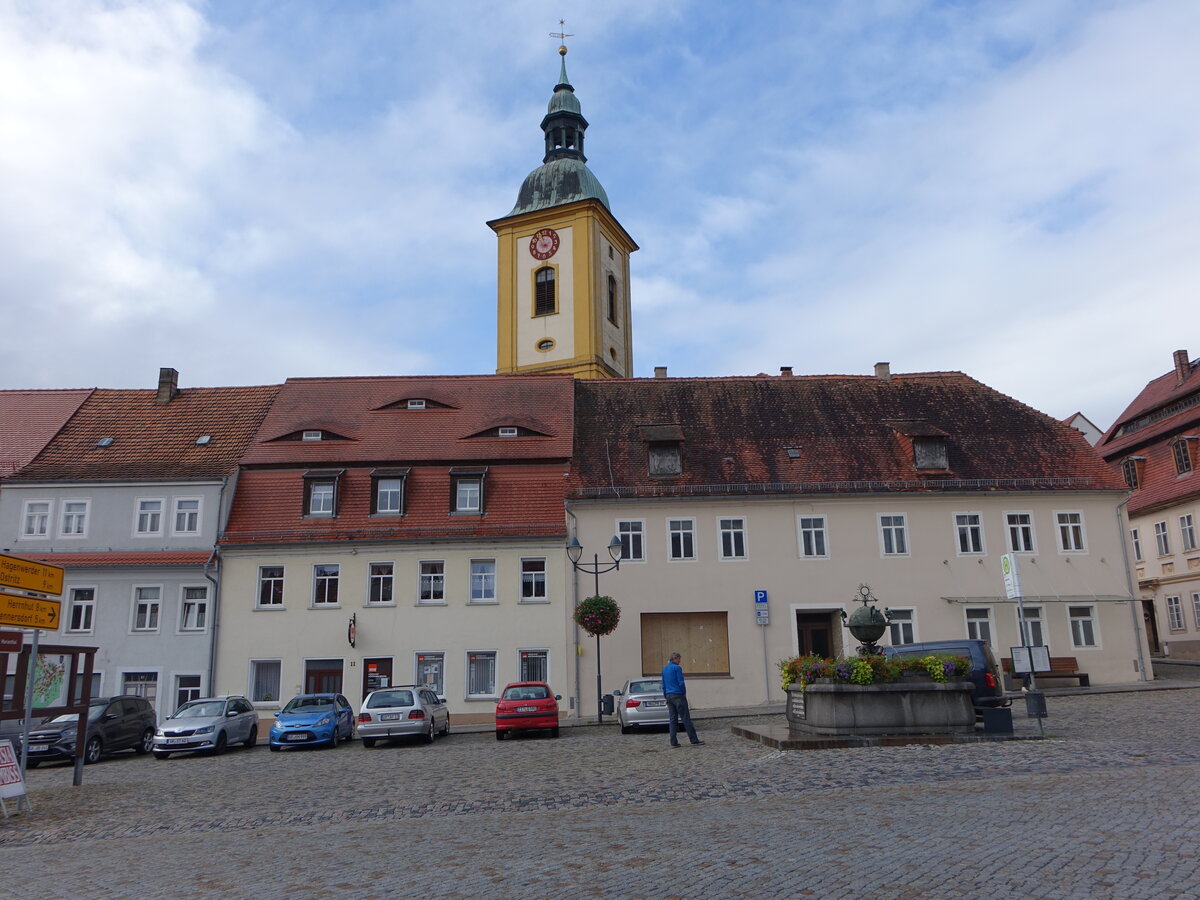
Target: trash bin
[
  {"x": 1035, "y": 705},
  {"x": 607, "y": 704},
  {"x": 997, "y": 720}
]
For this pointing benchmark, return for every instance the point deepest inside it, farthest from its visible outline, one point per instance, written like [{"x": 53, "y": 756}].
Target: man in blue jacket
[{"x": 677, "y": 705}]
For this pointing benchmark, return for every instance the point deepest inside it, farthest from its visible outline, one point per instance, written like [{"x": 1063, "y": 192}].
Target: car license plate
[
  {"x": 526, "y": 709},
  {"x": 183, "y": 740},
  {"x": 654, "y": 704},
  {"x": 38, "y": 748},
  {"x": 294, "y": 737},
  {"x": 389, "y": 717}
]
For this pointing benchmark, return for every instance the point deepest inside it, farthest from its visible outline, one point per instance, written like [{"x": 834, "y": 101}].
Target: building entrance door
[{"x": 814, "y": 633}]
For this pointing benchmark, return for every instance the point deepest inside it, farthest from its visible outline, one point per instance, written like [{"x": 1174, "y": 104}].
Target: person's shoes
[
  {"x": 697, "y": 743},
  {"x": 676, "y": 746}
]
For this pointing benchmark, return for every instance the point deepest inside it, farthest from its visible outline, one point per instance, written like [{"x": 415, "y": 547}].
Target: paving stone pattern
[{"x": 1104, "y": 808}]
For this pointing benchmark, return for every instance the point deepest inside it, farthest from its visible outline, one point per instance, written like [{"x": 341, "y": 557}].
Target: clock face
[{"x": 544, "y": 244}]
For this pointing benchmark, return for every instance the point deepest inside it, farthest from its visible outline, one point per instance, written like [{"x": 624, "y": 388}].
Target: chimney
[
  {"x": 1183, "y": 368},
  {"x": 785, "y": 371},
  {"x": 883, "y": 371},
  {"x": 168, "y": 384},
  {"x": 660, "y": 371}
]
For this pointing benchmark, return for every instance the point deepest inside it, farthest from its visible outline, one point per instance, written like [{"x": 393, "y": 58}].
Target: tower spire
[{"x": 564, "y": 123}]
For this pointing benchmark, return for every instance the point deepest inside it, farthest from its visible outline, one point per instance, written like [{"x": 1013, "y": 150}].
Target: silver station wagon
[{"x": 406, "y": 710}]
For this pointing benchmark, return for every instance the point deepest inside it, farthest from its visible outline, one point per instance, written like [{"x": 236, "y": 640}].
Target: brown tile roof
[
  {"x": 520, "y": 499},
  {"x": 822, "y": 433},
  {"x": 151, "y": 439},
  {"x": 364, "y": 412},
  {"x": 109, "y": 560},
  {"x": 1164, "y": 409},
  {"x": 29, "y": 419}
]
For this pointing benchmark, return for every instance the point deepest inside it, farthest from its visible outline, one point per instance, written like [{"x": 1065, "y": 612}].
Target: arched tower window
[
  {"x": 544, "y": 301},
  {"x": 612, "y": 299}
]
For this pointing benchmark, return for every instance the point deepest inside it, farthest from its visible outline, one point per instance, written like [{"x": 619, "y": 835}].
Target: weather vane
[{"x": 562, "y": 36}]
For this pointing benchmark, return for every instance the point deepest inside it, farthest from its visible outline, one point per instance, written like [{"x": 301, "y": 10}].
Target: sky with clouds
[{"x": 249, "y": 190}]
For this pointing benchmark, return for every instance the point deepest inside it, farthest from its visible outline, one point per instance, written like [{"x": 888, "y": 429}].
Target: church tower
[{"x": 563, "y": 289}]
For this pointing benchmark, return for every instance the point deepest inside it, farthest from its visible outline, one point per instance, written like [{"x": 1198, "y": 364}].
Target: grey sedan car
[
  {"x": 402, "y": 711},
  {"x": 641, "y": 703},
  {"x": 211, "y": 724}
]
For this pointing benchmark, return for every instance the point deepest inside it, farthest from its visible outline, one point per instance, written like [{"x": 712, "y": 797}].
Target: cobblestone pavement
[{"x": 1104, "y": 808}]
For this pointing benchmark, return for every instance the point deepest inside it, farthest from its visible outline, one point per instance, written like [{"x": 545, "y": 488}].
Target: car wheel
[
  {"x": 554, "y": 731},
  {"x": 368, "y": 743},
  {"x": 626, "y": 729},
  {"x": 32, "y": 763},
  {"x": 499, "y": 735},
  {"x": 253, "y": 739},
  {"x": 147, "y": 742},
  {"x": 91, "y": 753},
  {"x": 428, "y": 736},
  {"x": 446, "y": 726},
  {"x": 333, "y": 741},
  {"x": 219, "y": 746},
  {"x": 161, "y": 754}
]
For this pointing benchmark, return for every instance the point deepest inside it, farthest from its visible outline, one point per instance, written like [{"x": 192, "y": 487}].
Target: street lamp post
[{"x": 574, "y": 553}]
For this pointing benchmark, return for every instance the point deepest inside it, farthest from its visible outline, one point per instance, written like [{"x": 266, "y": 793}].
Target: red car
[{"x": 525, "y": 706}]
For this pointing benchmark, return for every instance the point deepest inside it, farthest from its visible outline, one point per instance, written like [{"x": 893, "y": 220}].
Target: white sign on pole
[
  {"x": 11, "y": 782},
  {"x": 1012, "y": 575}
]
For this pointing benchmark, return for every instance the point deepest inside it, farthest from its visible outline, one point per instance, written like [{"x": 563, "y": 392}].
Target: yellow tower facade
[{"x": 563, "y": 300}]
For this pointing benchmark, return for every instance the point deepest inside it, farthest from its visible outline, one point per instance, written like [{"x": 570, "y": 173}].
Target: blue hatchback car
[{"x": 313, "y": 719}]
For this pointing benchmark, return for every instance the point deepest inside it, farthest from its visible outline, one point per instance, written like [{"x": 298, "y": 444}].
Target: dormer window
[
  {"x": 466, "y": 490},
  {"x": 930, "y": 453},
  {"x": 1131, "y": 468},
  {"x": 508, "y": 431},
  {"x": 664, "y": 449},
  {"x": 388, "y": 491},
  {"x": 1182, "y": 452},
  {"x": 416, "y": 404},
  {"x": 314, "y": 435},
  {"x": 321, "y": 492}
]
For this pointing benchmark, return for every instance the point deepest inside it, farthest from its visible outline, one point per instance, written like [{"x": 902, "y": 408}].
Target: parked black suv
[
  {"x": 114, "y": 723},
  {"x": 984, "y": 673}
]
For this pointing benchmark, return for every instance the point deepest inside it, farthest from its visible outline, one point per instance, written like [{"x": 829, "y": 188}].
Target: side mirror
[
  {"x": 618, "y": 693},
  {"x": 231, "y": 713},
  {"x": 109, "y": 717},
  {"x": 277, "y": 715},
  {"x": 442, "y": 700},
  {"x": 558, "y": 696}
]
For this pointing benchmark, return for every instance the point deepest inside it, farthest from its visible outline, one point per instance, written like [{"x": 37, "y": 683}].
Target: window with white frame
[
  {"x": 147, "y": 603},
  {"x": 270, "y": 586},
  {"x": 1161, "y": 539},
  {"x": 466, "y": 492},
  {"x": 187, "y": 515},
  {"x": 325, "y": 584},
  {"x": 733, "y": 538},
  {"x": 534, "y": 665},
  {"x": 187, "y": 688},
  {"x": 1187, "y": 532},
  {"x": 322, "y": 495},
  {"x": 81, "y": 609},
  {"x": 481, "y": 673},
  {"x": 140, "y": 684},
  {"x": 483, "y": 581},
  {"x": 814, "y": 542},
  {"x": 1083, "y": 625},
  {"x": 148, "y": 522},
  {"x": 1020, "y": 532},
  {"x": 1183, "y": 455},
  {"x": 264, "y": 680},
  {"x": 431, "y": 586},
  {"x": 979, "y": 623},
  {"x": 893, "y": 538},
  {"x": 35, "y": 519},
  {"x": 75, "y": 518},
  {"x": 681, "y": 535},
  {"x": 533, "y": 580},
  {"x": 1136, "y": 539},
  {"x": 632, "y": 534},
  {"x": 1070, "y": 532},
  {"x": 968, "y": 528},
  {"x": 380, "y": 576},
  {"x": 1196, "y": 608},
  {"x": 431, "y": 672},
  {"x": 193, "y": 609},
  {"x": 387, "y": 493},
  {"x": 1175, "y": 614},
  {"x": 1034, "y": 636},
  {"x": 903, "y": 626}
]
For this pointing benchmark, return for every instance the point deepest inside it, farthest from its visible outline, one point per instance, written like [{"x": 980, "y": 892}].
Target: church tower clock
[{"x": 563, "y": 289}]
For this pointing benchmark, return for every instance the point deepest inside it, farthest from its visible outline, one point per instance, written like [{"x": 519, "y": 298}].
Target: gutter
[
  {"x": 215, "y": 558},
  {"x": 572, "y": 532},
  {"x": 1135, "y": 606}
]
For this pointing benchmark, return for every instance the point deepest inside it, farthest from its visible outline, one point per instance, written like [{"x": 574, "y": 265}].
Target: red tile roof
[
  {"x": 362, "y": 411},
  {"x": 109, "y": 560},
  {"x": 1165, "y": 409},
  {"x": 28, "y": 421},
  {"x": 520, "y": 499},
  {"x": 843, "y": 434},
  {"x": 151, "y": 439}
]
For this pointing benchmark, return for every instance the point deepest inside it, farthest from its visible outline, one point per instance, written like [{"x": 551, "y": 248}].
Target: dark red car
[{"x": 525, "y": 706}]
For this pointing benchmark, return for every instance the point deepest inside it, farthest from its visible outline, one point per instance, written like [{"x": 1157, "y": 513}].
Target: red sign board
[{"x": 10, "y": 641}]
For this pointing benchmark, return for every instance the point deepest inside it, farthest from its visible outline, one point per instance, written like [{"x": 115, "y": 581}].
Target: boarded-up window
[
  {"x": 702, "y": 639},
  {"x": 665, "y": 459},
  {"x": 930, "y": 453}
]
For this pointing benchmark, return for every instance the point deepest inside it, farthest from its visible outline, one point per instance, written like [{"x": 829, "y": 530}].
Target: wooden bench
[{"x": 1060, "y": 667}]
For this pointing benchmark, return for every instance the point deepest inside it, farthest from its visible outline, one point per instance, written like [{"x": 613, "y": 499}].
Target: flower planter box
[{"x": 912, "y": 705}]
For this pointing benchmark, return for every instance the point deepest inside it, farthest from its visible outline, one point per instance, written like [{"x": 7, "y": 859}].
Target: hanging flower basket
[{"x": 598, "y": 616}]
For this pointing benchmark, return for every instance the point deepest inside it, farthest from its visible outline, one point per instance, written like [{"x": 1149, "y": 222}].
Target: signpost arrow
[
  {"x": 27, "y": 575},
  {"x": 29, "y": 612}
]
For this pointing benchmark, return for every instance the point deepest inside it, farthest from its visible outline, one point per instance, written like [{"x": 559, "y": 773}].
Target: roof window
[
  {"x": 204, "y": 440},
  {"x": 311, "y": 436},
  {"x": 104, "y": 442}
]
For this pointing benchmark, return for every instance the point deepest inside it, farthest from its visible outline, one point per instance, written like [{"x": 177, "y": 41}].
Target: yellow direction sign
[
  {"x": 29, "y": 612},
  {"x": 27, "y": 575}
]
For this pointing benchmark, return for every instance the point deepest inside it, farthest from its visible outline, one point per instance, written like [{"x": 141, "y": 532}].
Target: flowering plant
[
  {"x": 598, "y": 616},
  {"x": 804, "y": 670}
]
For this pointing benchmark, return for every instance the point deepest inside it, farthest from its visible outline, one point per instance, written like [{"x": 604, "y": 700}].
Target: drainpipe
[
  {"x": 574, "y": 603},
  {"x": 1135, "y": 605},
  {"x": 215, "y": 557}
]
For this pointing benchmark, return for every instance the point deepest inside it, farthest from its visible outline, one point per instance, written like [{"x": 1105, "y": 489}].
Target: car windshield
[
  {"x": 645, "y": 687},
  {"x": 309, "y": 704},
  {"x": 71, "y": 717},
  {"x": 526, "y": 692},
  {"x": 390, "y": 698},
  {"x": 201, "y": 709}
]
